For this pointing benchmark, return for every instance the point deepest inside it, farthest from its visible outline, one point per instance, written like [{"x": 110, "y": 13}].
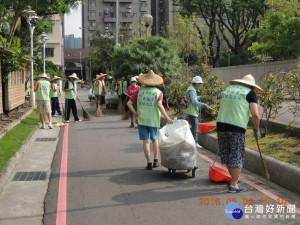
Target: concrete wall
[{"x": 259, "y": 71}]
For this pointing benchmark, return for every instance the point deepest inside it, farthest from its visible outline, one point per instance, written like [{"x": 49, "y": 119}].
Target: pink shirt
[
  {"x": 133, "y": 97},
  {"x": 133, "y": 93}
]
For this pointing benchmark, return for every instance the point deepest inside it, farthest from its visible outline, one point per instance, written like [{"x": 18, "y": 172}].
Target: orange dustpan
[
  {"x": 206, "y": 127},
  {"x": 218, "y": 173}
]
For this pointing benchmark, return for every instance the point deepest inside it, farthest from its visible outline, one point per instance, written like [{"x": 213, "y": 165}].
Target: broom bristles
[
  {"x": 126, "y": 116},
  {"x": 86, "y": 115},
  {"x": 121, "y": 108},
  {"x": 99, "y": 111}
]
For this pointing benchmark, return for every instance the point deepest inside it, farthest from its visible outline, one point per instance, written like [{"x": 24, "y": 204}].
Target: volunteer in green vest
[
  {"x": 237, "y": 101},
  {"x": 96, "y": 90},
  {"x": 192, "y": 111},
  {"x": 149, "y": 109},
  {"x": 121, "y": 89},
  {"x": 70, "y": 96},
  {"x": 42, "y": 89},
  {"x": 102, "y": 89},
  {"x": 54, "y": 94}
]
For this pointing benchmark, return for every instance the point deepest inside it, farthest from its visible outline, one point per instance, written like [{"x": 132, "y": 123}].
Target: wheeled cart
[{"x": 177, "y": 147}]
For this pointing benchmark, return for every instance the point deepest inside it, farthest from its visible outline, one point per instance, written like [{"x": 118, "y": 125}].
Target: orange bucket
[
  {"x": 206, "y": 127},
  {"x": 218, "y": 174}
]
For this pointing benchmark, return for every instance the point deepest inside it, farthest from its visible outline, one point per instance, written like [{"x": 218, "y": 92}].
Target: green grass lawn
[
  {"x": 13, "y": 139},
  {"x": 277, "y": 145}
]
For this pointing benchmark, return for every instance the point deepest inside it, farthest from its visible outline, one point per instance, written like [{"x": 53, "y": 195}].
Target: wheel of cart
[{"x": 172, "y": 171}]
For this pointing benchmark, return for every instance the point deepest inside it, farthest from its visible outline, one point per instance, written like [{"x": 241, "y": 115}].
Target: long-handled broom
[
  {"x": 267, "y": 175},
  {"x": 99, "y": 110},
  {"x": 86, "y": 115}
]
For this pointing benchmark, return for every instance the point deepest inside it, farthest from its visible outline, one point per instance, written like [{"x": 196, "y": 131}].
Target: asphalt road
[{"x": 108, "y": 185}]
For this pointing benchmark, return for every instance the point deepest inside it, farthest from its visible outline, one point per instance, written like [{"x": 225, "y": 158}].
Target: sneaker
[
  {"x": 50, "y": 125},
  {"x": 67, "y": 121},
  {"x": 198, "y": 146},
  {"x": 78, "y": 120},
  {"x": 149, "y": 166},
  {"x": 43, "y": 126},
  {"x": 59, "y": 114},
  {"x": 53, "y": 115},
  {"x": 155, "y": 163},
  {"x": 236, "y": 190},
  {"x": 131, "y": 125}
]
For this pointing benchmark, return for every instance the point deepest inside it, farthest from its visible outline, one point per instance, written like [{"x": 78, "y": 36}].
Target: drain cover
[
  {"x": 45, "y": 139},
  {"x": 30, "y": 176}
]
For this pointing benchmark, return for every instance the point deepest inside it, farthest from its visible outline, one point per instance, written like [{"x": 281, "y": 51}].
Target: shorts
[
  {"x": 102, "y": 99},
  {"x": 41, "y": 104},
  {"x": 232, "y": 148},
  {"x": 144, "y": 132}
]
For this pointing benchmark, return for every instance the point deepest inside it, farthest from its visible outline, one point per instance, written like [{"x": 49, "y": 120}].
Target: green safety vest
[
  {"x": 148, "y": 112},
  {"x": 54, "y": 93},
  {"x": 96, "y": 88},
  {"x": 234, "y": 108},
  {"x": 70, "y": 94},
  {"x": 43, "y": 90},
  {"x": 120, "y": 90},
  {"x": 102, "y": 83},
  {"x": 192, "y": 109}
]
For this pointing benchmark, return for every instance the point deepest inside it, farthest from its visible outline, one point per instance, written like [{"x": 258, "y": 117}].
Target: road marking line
[
  {"x": 61, "y": 214},
  {"x": 259, "y": 188}
]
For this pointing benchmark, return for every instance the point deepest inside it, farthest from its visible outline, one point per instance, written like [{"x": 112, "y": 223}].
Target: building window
[
  {"x": 123, "y": 14},
  {"x": 143, "y": 4},
  {"x": 92, "y": 2},
  {"x": 112, "y": 14},
  {"x": 49, "y": 52},
  {"x": 92, "y": 13},
  {"x": 112, "y": 4},
  {"x": 135, "y": 15},
  {"x": 143, "y": 14},
  {"x": 100, "y": 13},
  {"x": 92, "y": 24}
]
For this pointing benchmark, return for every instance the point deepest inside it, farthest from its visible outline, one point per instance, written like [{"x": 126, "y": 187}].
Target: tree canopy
[
  {"x": 279, "y": 32},
  {"x": 157, "y": 53}
]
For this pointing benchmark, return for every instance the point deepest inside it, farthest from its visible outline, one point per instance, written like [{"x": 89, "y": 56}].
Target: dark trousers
[
  {"x": 55, "y": 105},
  {"x": 71, "y": 104}
]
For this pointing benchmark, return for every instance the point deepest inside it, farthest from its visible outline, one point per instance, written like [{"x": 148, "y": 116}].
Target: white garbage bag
[{"x": 177, "y": 146}]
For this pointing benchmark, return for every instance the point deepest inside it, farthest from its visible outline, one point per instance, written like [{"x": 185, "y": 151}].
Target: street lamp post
[
  {"x": 147, "y": 20},
  {"x": 44, "y": 38},
  {"x": 117, "y": 24},
  {"x": 31, "y": 18},
  {"x": 90, "y": 67}
]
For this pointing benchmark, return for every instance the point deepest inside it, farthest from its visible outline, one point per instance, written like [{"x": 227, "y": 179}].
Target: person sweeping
[
  {"x": 237, "y": 101},
  {"x": 42, "y": 89},
  {"x": 70, "y": 96},
  {"x": 132, "y": 89},
  {"x": 54, "y": 94},
  {"x": 149, "y": 110}
]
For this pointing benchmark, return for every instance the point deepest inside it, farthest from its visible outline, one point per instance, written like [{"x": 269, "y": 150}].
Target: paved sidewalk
[{"x": 22, "y": 202}]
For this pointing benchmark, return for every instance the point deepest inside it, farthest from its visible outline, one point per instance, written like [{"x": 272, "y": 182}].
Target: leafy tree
[
  {"x": 14, "y": 9},
  {"x": 101, "y": 51},
  {"x": 227, "y": 20},
  {"x": 207, "y": 10},
  {"x": 187, "y": 37},
  {"x": 279, "y": 31},
  {"x": 157, "y": 53},
  {"x": 292, "y": 88},
  {"x": 271, "y": 98}
]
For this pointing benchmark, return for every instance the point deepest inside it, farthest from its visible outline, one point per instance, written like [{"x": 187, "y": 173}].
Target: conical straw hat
[
  {"x": 249, "y": 81},
  {"x": 150, "y": 79}
]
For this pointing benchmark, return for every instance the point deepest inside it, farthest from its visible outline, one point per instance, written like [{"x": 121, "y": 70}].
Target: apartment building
[
  {"x": 54, "y": 50},
  {"x": 72, "y": 42},
  {"x": 101, "y": 14}
]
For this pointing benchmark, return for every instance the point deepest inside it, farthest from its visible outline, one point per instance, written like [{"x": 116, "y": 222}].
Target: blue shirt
[{"x": 195, "y": 99}]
